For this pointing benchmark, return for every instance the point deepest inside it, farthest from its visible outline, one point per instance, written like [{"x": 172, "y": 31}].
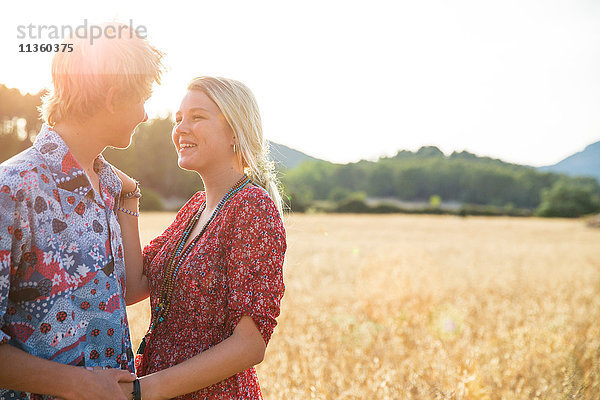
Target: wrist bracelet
[
  {"x": 137, "y": 390},
  {"x": 128, "y": 212}
]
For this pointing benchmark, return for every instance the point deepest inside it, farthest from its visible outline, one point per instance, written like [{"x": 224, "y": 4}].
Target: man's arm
[{"x": 27, "y": 373}]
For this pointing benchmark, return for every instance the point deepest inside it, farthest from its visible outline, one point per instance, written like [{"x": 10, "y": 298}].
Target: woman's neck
[{"x": 216, "y": 185}]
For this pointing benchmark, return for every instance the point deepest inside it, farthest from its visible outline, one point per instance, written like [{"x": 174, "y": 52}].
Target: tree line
[
  {"x": 429, "y": 176},
  {"x": 481, "y": 184}
]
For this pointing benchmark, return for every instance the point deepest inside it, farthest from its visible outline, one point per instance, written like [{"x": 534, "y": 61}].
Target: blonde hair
[
  {"x": 239, "y": 107},
  {"x": 81, "y": 78}
]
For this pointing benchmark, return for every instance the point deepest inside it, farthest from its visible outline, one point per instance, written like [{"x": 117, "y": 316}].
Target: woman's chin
[
  {"x": 182, "y": 164},
  {"x": 186, "y": 164}
]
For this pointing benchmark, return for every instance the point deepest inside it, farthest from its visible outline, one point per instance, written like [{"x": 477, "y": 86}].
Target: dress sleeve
[
  {"x": 157, "y": 243},
  {"x": 255, "y": 264},
  {"x": 10, "y": 233}
]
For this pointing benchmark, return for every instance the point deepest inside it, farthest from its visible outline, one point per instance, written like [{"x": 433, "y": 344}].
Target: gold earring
[{"x": 234, "y": 149}]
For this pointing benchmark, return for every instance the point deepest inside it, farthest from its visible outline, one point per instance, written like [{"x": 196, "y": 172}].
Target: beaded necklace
[{"x": 179, "y": 256}]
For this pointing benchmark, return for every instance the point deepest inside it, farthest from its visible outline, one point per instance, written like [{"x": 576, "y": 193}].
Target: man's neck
[{"x": 82, "y": 142}]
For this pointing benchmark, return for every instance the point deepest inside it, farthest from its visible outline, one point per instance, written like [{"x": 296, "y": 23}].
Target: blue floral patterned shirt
[{"x": 62, "y": 271}]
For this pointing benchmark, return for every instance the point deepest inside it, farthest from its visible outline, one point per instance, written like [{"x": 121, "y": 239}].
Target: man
[{"x": 62, "y": 272}]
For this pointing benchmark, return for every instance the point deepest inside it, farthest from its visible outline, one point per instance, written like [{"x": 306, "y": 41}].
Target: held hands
[
  {"x": 101, "y": 384},
  {"x": 109, "y": 381}
]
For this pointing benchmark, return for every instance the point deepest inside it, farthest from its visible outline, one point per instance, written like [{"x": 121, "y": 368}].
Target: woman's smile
[{"x": 186, "y": 146}]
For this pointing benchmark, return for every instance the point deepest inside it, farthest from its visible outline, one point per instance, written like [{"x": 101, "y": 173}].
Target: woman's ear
[{"x": 109, "y": 100}]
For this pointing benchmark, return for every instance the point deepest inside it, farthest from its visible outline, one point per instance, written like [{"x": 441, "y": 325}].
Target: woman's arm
[
  {"x": 136, "y": 282},
  {"x": 242, "y": 350}
]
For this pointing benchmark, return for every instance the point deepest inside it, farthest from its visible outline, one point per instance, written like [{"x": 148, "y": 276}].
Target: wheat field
[{"x": 431, "y": 307}]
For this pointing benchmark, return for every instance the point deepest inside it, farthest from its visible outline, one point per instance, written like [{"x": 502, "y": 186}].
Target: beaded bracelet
[{"x": 129, "y": 212}]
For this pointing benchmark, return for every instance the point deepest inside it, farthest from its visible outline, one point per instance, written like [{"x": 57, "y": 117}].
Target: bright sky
[{"x": 343, "y": 80}]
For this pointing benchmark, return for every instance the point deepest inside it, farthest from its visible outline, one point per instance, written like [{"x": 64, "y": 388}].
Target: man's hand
[
  {"x": 126, "y": 388},
  {"x": 102, "y": 384}
]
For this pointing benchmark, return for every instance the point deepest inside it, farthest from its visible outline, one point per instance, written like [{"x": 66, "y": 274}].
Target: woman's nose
[
  {"x": 145, "y": 116},
  {"x": 179, "y": 127}
]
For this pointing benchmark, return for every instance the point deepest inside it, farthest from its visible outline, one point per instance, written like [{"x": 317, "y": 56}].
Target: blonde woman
[{"x": 215, "y": 275}]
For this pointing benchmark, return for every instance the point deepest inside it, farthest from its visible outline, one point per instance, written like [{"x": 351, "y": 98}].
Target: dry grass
[{"x": 429, "y": 307}]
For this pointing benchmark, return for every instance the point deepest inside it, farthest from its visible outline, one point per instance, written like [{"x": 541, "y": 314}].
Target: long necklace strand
[{"x": 179, "y": 256}]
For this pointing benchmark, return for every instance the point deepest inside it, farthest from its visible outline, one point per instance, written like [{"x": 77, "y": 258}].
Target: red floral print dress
[{"x": 235, "y": 269}]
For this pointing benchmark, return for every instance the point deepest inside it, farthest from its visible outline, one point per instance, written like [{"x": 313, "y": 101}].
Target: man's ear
[{"x": 109, "y": 100}]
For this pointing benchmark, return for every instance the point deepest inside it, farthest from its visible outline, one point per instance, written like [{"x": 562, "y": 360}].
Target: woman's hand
[{"x": 128, "y": 184}]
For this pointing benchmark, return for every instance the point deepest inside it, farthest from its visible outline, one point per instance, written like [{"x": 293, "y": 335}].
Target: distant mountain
[
  {"x": 287, "y": 158},
  {"x": 583, "y": 163}
]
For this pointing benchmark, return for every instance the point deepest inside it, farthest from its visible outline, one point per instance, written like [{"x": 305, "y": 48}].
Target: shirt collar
[{"x": 71, "y": 181}]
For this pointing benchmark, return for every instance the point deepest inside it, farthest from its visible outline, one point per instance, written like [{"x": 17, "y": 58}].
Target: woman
[{"x": 215, "y": 275}]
